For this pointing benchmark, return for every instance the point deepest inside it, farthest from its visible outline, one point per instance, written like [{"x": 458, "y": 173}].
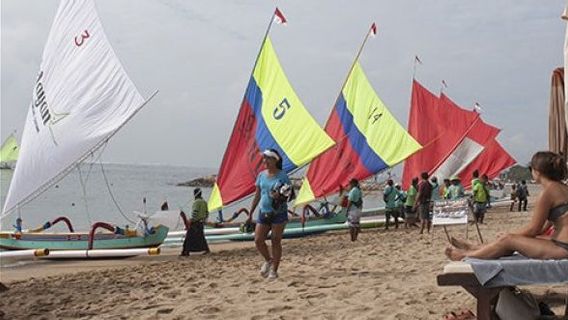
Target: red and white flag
[
  {"x": 373, "y": 30},
  {"x": 477, "y": 108},
  {"x": 279, "y": 17}
]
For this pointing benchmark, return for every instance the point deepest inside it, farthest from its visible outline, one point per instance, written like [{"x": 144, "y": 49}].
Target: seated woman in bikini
[{"x": 549, "y": 170}]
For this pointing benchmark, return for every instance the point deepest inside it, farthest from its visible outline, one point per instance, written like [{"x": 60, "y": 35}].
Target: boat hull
[{"x": 79, "y": 241}]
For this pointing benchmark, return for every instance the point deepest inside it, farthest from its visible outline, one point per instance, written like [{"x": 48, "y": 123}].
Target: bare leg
[
  {"x": 260, "y": 234},
  {"x": 464, "y": 245},
  {"x": 276, "y": 238},
  {"x": 529, "y": 247}
]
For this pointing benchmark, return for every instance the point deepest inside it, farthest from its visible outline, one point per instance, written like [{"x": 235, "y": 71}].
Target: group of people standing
[
  {"x": 519, "y": 194},
  {"x": 415, "y": 204}
]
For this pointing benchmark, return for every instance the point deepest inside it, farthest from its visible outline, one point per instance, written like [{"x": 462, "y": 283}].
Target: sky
[{"x": 200, "y": 54}]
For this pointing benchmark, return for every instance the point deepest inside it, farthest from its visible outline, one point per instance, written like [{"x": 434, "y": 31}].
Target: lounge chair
[{"x": 484, "y": 279}]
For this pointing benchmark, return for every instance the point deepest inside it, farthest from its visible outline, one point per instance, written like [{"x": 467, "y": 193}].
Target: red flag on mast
[
  {"x": 373, "y": 30},
  {"x": 279, "y": 17}
]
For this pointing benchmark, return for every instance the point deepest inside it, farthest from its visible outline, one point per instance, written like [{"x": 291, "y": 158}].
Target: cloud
[{"x": 200, "y": 55}]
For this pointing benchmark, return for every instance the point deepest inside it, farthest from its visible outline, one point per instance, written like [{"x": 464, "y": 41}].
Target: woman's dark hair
[
  {"x": 279, "y": 161},
  {"x": 476, "y": 173},
  {"x": 415, "y": 182},
  {"x": 550, "y": 165},
  {"x": 354, "y": 182}
]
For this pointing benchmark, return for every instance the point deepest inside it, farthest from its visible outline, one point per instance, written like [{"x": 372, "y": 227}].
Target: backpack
[{"x": 522, "y": 192}]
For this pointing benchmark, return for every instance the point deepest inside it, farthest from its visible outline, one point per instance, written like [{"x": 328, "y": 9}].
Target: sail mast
[{"x": 372, "y": 31}]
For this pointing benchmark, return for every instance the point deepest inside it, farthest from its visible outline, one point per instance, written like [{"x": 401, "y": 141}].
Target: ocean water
[{"x": 128, "y": 184}]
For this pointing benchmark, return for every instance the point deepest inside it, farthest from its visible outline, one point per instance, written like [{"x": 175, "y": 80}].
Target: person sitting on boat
[
  {"x": 323, "y": 209},
  {"x": 354, "y": 208},
  {"x": 18, "y": 225},
  {"x": 195, "y": 237},
  {"x": 548, "y": 169},
  {"x": 273, "y": 214}
]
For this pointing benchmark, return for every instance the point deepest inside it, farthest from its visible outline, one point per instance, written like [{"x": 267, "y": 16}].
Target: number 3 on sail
[
  {"x": 280, "y": 110},
  {"x": 80, "y": 40}
]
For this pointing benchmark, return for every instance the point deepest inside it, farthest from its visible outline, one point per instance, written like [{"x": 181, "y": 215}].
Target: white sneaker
[
  {"x": 272, "y": 275},
  {"x": 266, "y": 268}
]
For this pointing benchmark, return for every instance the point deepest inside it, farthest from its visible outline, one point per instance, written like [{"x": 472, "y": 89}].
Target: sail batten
[{"x": 81, "y": 98}]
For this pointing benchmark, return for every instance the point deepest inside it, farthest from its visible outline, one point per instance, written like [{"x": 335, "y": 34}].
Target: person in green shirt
[
  {"x": 390, "y": 194},
  {"x": 195, "y": 237},
  {"x": 409, "y": 212},
  {"x": 354, "y": 208},
  {"x": 480, "y": 199},
  {"x": 475, "y": 179}
]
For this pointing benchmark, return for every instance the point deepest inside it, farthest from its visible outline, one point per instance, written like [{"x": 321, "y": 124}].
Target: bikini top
[{"x": 557, "y": 212}]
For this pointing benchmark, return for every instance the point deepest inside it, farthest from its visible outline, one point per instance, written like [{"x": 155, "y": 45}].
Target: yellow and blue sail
[
  {"x": 368, "y": 139},
  {"x": 271, "y": 116}
]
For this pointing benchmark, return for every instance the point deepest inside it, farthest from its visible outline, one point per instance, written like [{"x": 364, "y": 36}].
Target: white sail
[{"x": 81, "y": 96}]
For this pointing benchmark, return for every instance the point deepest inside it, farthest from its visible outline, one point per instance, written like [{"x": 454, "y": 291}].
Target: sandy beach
[{"x": 385, "y": 275}]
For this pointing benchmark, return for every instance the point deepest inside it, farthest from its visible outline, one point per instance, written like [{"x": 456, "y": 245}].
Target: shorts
[
  {"x": 392, "y": 212},
  {"x": 409, "y": 213},
  {"x": 272, "y": 217},
  {"x": 479, "y": 207},
  {"x": 424, "y": 211},
  {"x": 354, "y": 217}
]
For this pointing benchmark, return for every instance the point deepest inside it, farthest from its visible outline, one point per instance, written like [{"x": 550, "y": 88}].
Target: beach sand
[{"x": 384, "y": 275}]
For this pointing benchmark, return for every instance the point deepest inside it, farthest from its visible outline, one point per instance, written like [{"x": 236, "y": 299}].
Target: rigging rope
[
  {"x": 84, "y": 189},
  {"x": 113, "y": 198}
]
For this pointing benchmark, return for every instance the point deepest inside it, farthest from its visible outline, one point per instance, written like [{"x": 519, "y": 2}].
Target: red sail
[{"x": 491, "y": 162}]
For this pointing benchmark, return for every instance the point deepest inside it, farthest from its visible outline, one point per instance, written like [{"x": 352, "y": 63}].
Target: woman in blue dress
[{"x": 272, "y": 193}]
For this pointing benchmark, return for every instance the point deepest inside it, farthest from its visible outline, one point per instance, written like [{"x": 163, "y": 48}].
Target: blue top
[
  {"x": 390, "y": 196},
  {"x": 266, "y": 184},
  {"x": 356, "y": 197},
  {"x": 435, "y": 191}
]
